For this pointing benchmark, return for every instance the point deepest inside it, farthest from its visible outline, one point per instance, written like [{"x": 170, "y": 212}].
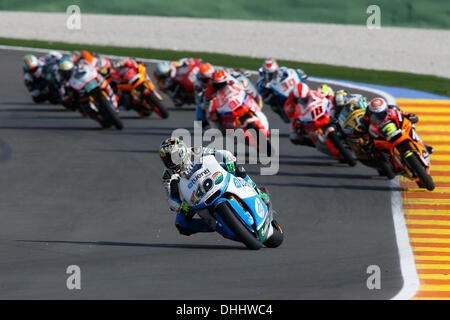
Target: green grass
[
  {"x": 402, "y": 13},
  {"x": 427, "y": 83}
]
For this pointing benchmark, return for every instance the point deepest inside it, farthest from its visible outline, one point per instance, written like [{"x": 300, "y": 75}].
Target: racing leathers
[
  {"x": 179, "y": 85},
  {"x": 184, "y": 221},
  {"x": 393, "y": 112},
  {"x": 276, "y": 90},
  {"x": 297, "y": 134},
  {"x": 205, "y": 92},
  {"x": 43, "y": 83},
  {"x": 69, "y": 98}
]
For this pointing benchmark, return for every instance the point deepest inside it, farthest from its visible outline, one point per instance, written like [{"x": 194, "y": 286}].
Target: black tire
[
  {"x": 417, "y": 167},
  {"x": 345, "y": 153},
  {"x": 228, "y": 216},
  {"x": 158, "y": 105},
  {"x": 258, "y": 134},
  {"x": 108, "y": 113},
  {"x": 386, "y": 168},
  {"x": 276, "y": 239}
]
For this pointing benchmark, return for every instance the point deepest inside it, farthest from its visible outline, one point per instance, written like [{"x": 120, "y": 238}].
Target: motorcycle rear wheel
[
  {"x": 228, "y": 216},
  {"x": 386, "y": 167}
]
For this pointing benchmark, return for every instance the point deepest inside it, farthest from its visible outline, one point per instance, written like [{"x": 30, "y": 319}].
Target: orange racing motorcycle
[
  {"x": 398, "y": 140},
  {"x": 134, "y": 85}
]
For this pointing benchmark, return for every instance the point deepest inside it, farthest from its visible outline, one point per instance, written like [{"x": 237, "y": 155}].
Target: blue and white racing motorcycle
[{"x": 229, "y": 205}]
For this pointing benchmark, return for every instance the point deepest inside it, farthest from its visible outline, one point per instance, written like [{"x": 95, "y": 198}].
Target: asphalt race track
[{"x": 74, "y": 194}]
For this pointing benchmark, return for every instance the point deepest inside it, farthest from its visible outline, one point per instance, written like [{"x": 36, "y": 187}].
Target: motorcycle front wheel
[
  {"x": 230, "y": 219},
  {"x": 107, "y": 111},
  {"x": 425, "y": 180}
]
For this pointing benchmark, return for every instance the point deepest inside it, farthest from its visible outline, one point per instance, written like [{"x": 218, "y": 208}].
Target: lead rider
[{"x": 179, "y": 161}]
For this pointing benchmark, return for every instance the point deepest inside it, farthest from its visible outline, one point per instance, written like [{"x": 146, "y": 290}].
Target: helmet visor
[{"x": 378, "y": 117}]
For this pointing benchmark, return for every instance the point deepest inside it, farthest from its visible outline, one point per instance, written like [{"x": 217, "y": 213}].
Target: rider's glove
[
  {"x": 230, "y": 165},
  {"x": 413, "y": 118},
  {"x": 185, "y": 207}
]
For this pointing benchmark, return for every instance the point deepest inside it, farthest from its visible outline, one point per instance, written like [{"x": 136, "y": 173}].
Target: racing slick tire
[
  {"x": 276, "y": 239},
  {"x": 158, "y": 105},
  {"x": 108, "y": 112},
  {"x": 425, "y": 180},
  {"x": 228, "y": 216},
  {"x": 345, "y": 153}
]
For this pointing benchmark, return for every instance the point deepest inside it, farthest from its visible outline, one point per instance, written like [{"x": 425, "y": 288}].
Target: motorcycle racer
[
  {"x": 343, "y": 97},
  {"x": 327, "y": 91},
  {"x": 66, "y": 69},
  {"x": 41, "y": 79},
  {"x": 179, "y": 160},
  {"x": 275, "y": 83},
  {"x": 201, "y": 83},
  {"x": 177, "y": 79},
  {"x": 379, "y": 112},
  {"x": 301, "y": 93}
]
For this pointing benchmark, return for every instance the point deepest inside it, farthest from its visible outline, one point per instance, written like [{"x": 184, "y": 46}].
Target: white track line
[{"x": 408, "y": 268}]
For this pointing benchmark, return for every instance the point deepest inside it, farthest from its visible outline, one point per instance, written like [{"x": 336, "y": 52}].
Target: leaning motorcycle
[
  {"x": 397, "y": 139},
  {"x": 315, "y": 118},
  {"x": 349, "y": 120},
  {"x": 229, "y": 205},
  {"x": 236, "y": 109},
  {"x": 139, "y": 90},
  {"x": 89, "y": 87}
]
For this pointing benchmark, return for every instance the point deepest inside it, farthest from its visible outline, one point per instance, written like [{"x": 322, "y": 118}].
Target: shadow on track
[
  {"x": 333, "y": 187},
  {"x": 52, "y": 128},
  {"x": 133, "y": 244}
]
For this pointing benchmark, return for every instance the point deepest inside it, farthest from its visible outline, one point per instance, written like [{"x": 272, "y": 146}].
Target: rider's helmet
[
  {"x": 219, "y": 79},
  {"x": 301, "y": 92},
  {"x": 164, "y": 69},
  {"x": 379, "y": 110},
  {"x": 175, "y": 154},
  {"x": 53, "y": 55},
  {"x": 30, "y": 63},
  {"x": 326, "y": 90},
  {"x": 342, "y": 97},
  {"x": 65, "y": 68},
  {"x": 104, "y": 66},
  {"x": 270, "y": 68},
  {"x": 206, "y": 72}
]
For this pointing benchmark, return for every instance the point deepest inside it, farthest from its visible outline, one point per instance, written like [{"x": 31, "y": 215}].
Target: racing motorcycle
[
  {"x": 181, "y": 87},
  {"x": 89, "y": 87},
  {"x": 397, "y": 140},
  {"x": 137, "y": 88},
  {"x": 349, "y": 120},
  {"x": 229, "y": 205},
  {"x": 315, "y": 118},
  {"x": 243, "y": 77},
  {"x": 279, "y": 91},
  {"x": 233, "y": 108}
]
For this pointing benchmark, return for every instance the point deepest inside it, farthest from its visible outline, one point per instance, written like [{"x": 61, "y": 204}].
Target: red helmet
[
  {"x": 206, "y": 72},
  {"x": 219, "y": 79},
  {"x": 379, "y": 110}
]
